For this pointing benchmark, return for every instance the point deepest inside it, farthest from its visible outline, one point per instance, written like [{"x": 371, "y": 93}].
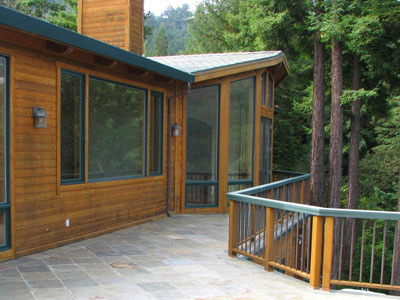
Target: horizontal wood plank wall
[{"x": 39, "y": 206}]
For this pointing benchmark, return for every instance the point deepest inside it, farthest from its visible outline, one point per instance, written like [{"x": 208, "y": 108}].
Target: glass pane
[
  {"x": 71, "y": 129},
  {"x": 156, "y": 124},
  {"x": 266, "y": 148},
  {"x": 264, "y": 88},
  {"x": 3, "y": 67},
  {"x": 241, "y": 129},
  {"x": 237, "y": 187},
  {"x": 2, "y": 228},
  {"x": 202, "y": 134},
  {"x": 116, "y": 130},
  {"x": 201, "y": 195},
  {"x": 271, "y": 91}
]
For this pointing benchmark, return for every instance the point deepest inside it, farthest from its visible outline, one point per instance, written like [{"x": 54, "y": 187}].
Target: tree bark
[
  {"x": 354, "y": 165},
  {"x": 336, "y": 146},
  {"x": 318, "y": 142}
]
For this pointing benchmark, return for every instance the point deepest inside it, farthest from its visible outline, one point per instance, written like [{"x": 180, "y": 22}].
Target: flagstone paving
[{"x": 184, "y": 257}]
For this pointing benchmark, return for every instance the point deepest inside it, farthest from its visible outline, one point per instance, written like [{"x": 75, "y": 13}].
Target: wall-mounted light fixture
[
  {"x": 176, "y": 129},
  {"x": 40, "y": 116}
]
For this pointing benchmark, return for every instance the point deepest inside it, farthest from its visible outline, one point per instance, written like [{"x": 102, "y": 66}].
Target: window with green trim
[
  {"x": 271, "y": 91},
  {"x": 117, "y": 130},
  {"x": 241, "y": 129},
  {"x": 72, "y": 127},
  {"x": 155, "y": 134},
  {"x": 264, "y": 88}
]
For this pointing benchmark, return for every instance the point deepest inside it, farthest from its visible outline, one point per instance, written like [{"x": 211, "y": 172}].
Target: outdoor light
[
  {"x": 176, "y": 130},
  {"x": 40, "y": 116}
]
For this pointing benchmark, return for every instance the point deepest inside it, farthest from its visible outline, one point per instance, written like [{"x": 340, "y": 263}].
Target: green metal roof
[
  {"x": 207, "y": 62},
  {"x": 49, "y": 31}
]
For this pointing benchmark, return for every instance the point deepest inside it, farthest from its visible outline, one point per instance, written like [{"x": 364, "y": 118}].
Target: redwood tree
[
  {"x": 318, "y": 143},
  {"x": 336, "y": 145}
]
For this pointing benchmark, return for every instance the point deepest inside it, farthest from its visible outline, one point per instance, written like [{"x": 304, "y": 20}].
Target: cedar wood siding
[{"x": 39, "y": 204}]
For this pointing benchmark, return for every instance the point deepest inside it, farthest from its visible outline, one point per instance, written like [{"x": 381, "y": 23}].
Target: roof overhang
[
  {"x": 278, "y": 62},
  {"x": 34, "y": 26}
]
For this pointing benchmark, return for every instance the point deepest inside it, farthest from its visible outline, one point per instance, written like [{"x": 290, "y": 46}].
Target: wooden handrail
[{"x": 287, "y": 223}]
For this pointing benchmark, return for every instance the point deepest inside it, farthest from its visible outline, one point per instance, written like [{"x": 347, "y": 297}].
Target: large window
[
  {"x": 271, "y": 91},
  {"x": 264, "y": 88},
  {"x": 116, "y": 130},
  {"x": 241, "y": 131},
  {"x": 202, "y": 123},
  {"x": 5, "y": 241},
  {"x": 72, "y": 127},
  {"x": 266, "y": 150},
  {"x": 155, "y": 134}
]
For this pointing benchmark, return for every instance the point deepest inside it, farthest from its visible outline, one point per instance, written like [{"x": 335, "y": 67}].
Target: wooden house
[{"x": 95, "y": 137}]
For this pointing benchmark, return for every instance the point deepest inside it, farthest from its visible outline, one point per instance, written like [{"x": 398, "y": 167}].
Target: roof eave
[
  {"x": 243, "y": 67},
  {"x": 55, "y": 33}
]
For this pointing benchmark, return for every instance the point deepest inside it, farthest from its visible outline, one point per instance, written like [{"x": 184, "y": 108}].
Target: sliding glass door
[{"x": 202, "y": 121}]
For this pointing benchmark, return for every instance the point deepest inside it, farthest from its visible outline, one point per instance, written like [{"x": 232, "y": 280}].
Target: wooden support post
[
  {"x": 316, "y": 251},
  {"x": 233, "y": 227},
  {"x": 269, "y": 237},
  {"x": 328, "y": 253},
  {"x": 302, "y": 192}
]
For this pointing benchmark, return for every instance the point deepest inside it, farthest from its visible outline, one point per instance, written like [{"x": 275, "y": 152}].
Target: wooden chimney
[{"x": 116, "y": 22}]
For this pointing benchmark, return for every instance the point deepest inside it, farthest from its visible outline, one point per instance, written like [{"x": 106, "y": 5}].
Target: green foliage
[
  {"x": 174, "y": 22},
  {"x": 62, "y": 13},
  {"x": 161, "y": 42}
]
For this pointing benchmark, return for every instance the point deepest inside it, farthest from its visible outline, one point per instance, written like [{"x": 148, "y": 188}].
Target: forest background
[
  {"x": 369, "y": 29},
  {"x": 337, "y": 112}
]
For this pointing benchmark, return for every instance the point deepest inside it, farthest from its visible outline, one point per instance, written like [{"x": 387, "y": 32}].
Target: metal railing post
[
  {"x": 316, "y": 251},
  {"x": 269, "y": 237},
  {"x": 233, "y": 227}
]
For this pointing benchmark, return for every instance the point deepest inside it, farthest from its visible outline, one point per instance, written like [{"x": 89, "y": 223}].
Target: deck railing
[{"x": 270, "y": 225}]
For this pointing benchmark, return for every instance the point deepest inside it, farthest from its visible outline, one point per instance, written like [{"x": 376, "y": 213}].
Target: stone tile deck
[{"x": 184, "y": 257}]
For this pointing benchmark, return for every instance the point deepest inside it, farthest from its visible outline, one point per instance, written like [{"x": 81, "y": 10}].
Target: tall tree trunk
[
  {"x": 336, "y": 145},
  {"x": 396, "y": 254},
  {"x": 318, "y": 142},
  {"x": 354, "y": 161},
  {"x": 354, "y": 165}
]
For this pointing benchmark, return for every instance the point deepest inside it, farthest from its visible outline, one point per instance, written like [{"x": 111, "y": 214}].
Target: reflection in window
[
  {"x": 241, "y": 129},
  {"x": 156, "y": 129},
  {"x": 202, "y": 134},
  {"x": 2, "y": 228},
  {"x": 202, "y": 123},
  {"x": 3, "y": 67},
  {"x": 116, "y": 130},
  {"x": 266, "y": 150},
  {"x": 271, "y": 90},
  {"x": 264, "y": 88},
  {"x": 72, "y": 151}
]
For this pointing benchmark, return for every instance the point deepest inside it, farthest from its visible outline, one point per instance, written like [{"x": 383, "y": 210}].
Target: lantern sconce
[
  {"x": 176, "y": 130},
  {"x": 40, "y": 116}
]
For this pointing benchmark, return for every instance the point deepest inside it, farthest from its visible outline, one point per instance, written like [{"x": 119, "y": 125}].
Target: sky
[{"x": 159, "y": 6}]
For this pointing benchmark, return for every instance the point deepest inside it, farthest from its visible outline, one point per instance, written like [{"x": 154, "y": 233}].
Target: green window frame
[
  {"x": 5, "y": 204},
  {"x": 78, "y": 128},
  {"x": 155, "y": 143}
]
